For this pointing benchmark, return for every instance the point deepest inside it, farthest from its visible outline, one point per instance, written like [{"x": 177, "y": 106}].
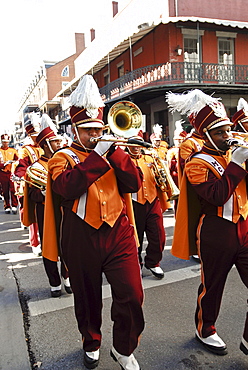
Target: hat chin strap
[
  {"x": 49, "y": 146},
  {"x": 240, "y": 124},
  {"x": 211, "y": 141},
  {"x": 78, "y": 138}
]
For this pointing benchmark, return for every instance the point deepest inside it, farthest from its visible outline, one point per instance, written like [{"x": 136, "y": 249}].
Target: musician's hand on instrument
[
  {"x": 239, "y": 155},
  {"x": 103, "y": 146},
  {"x": 15, "y": 178}
]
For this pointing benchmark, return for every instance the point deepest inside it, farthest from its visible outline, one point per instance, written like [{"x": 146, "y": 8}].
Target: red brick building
[{"x": 172, "y": 45}]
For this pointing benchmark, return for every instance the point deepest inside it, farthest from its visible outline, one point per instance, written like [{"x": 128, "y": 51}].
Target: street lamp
[{"x": 179, "y": 50}]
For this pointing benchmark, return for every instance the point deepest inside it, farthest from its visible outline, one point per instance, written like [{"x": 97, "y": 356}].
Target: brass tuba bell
[
  {"x": 125, "y": 119},
  {"x": 37, "y": 176}
]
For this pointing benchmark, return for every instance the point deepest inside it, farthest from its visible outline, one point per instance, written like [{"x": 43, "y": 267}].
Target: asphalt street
[{"x": 41, "y": 332}]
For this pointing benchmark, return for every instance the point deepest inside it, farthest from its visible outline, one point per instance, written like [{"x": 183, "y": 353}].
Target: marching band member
[
  {"x": 158, "y": 144},
  {"x": 212, "y": 211},
  {"x": 192, "y": 143},
  {"x": 34, "y": 199},
  {"x": 8, "y": 156},
  {"x": 173, "y": 154},
  {"x": 240, "y": 118},
  {"x": 148, "y": 212},
  {"x": 95, "y": 232},
  {"x": 28, "y": 154}
]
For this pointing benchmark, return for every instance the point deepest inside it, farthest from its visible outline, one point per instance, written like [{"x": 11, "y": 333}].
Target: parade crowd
[{"x": 89, "y": 202}]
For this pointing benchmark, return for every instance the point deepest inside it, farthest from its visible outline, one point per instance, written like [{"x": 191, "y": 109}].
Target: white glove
[
  {"x": 8, "y": 162},
  {"x": 103, "y": 146},
  {"x": 239, "y": 155}
]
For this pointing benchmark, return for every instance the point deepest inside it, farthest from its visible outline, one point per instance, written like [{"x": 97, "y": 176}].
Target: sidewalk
[{"x": 14, "y": 352}]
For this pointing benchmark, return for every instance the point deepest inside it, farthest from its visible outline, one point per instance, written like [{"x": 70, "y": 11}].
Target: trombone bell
[{"x": 125, "y": 119}]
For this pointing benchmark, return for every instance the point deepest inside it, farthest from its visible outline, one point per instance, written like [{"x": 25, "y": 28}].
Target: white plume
[
  {"x": 157, "y": 129},
  {"x": 86, "y": 95},
  {"x": 189, "y": 102},
  {"x": 242, "y": 104},
  {"x": 47, "y": 122},
  {"x": 35, "y": 120},
  {"x": 178, "y": 127}
]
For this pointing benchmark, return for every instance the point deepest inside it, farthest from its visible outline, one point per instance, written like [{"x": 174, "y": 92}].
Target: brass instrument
[
  {"x": 123, "y": 142},
  {"x": 237, "y": 143},
  {"x": 125, "y": 119},
  {"x": 238, "y": 134},
  {"x": 37, "y": 176},
  {"x": 163, "y": 177}
]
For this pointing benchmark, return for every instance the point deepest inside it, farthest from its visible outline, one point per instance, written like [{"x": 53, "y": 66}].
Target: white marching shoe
[
  {"x": 91, "y": 359},
  {"x": 14, "y": 210},
  {"x": 126, "y": 362},
  {"x": 37, "y": 250},
  {"x": 213, "y": 343}
]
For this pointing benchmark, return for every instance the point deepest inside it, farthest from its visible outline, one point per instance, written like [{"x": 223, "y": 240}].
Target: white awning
[{"x": 112, "y": 42}]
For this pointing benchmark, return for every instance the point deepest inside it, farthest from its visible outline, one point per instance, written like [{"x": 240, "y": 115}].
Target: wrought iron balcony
[{"x": 175, "y": 73}]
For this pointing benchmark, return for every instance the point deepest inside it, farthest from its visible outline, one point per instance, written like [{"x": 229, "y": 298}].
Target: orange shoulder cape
[
  {"x": 187, "y": 217},
  {"x": 29, "y": 215},
  {"x": 52, "y": 221}
]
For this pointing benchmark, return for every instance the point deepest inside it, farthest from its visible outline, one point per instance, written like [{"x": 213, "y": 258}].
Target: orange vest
[
  {"x": 147, "y": 191},
  {"x": 102, "y": 201},
  {"x": 8, "y": 155},
  {"x": 162, "y": 150}
]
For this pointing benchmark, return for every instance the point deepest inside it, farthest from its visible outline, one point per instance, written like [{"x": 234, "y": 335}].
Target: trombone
[{"x": 124, "y": 120}]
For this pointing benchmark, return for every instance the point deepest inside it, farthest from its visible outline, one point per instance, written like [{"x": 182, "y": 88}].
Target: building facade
[{"x": 173, "y": 45}]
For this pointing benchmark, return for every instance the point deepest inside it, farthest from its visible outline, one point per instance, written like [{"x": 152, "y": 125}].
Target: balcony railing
[{"x": 175, "y": 73}]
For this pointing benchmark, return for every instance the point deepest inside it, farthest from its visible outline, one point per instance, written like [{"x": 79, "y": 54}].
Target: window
[
  {"x": 120, "y": 69},
  {"x": 65, "y": 72},
  {"x": 191, "y": 58},
  {"x": 225, "y": 51},
  {"x": 191, "y": 50},
  {"x": 226, "y": 60},
  {"x": 106, "y": 78},
  {"x": 138, "y": 51}
]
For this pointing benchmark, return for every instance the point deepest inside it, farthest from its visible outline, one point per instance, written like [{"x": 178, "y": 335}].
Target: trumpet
[
  {"x": 163, "y": 177},
  {"x": 124, "y": 120}
]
